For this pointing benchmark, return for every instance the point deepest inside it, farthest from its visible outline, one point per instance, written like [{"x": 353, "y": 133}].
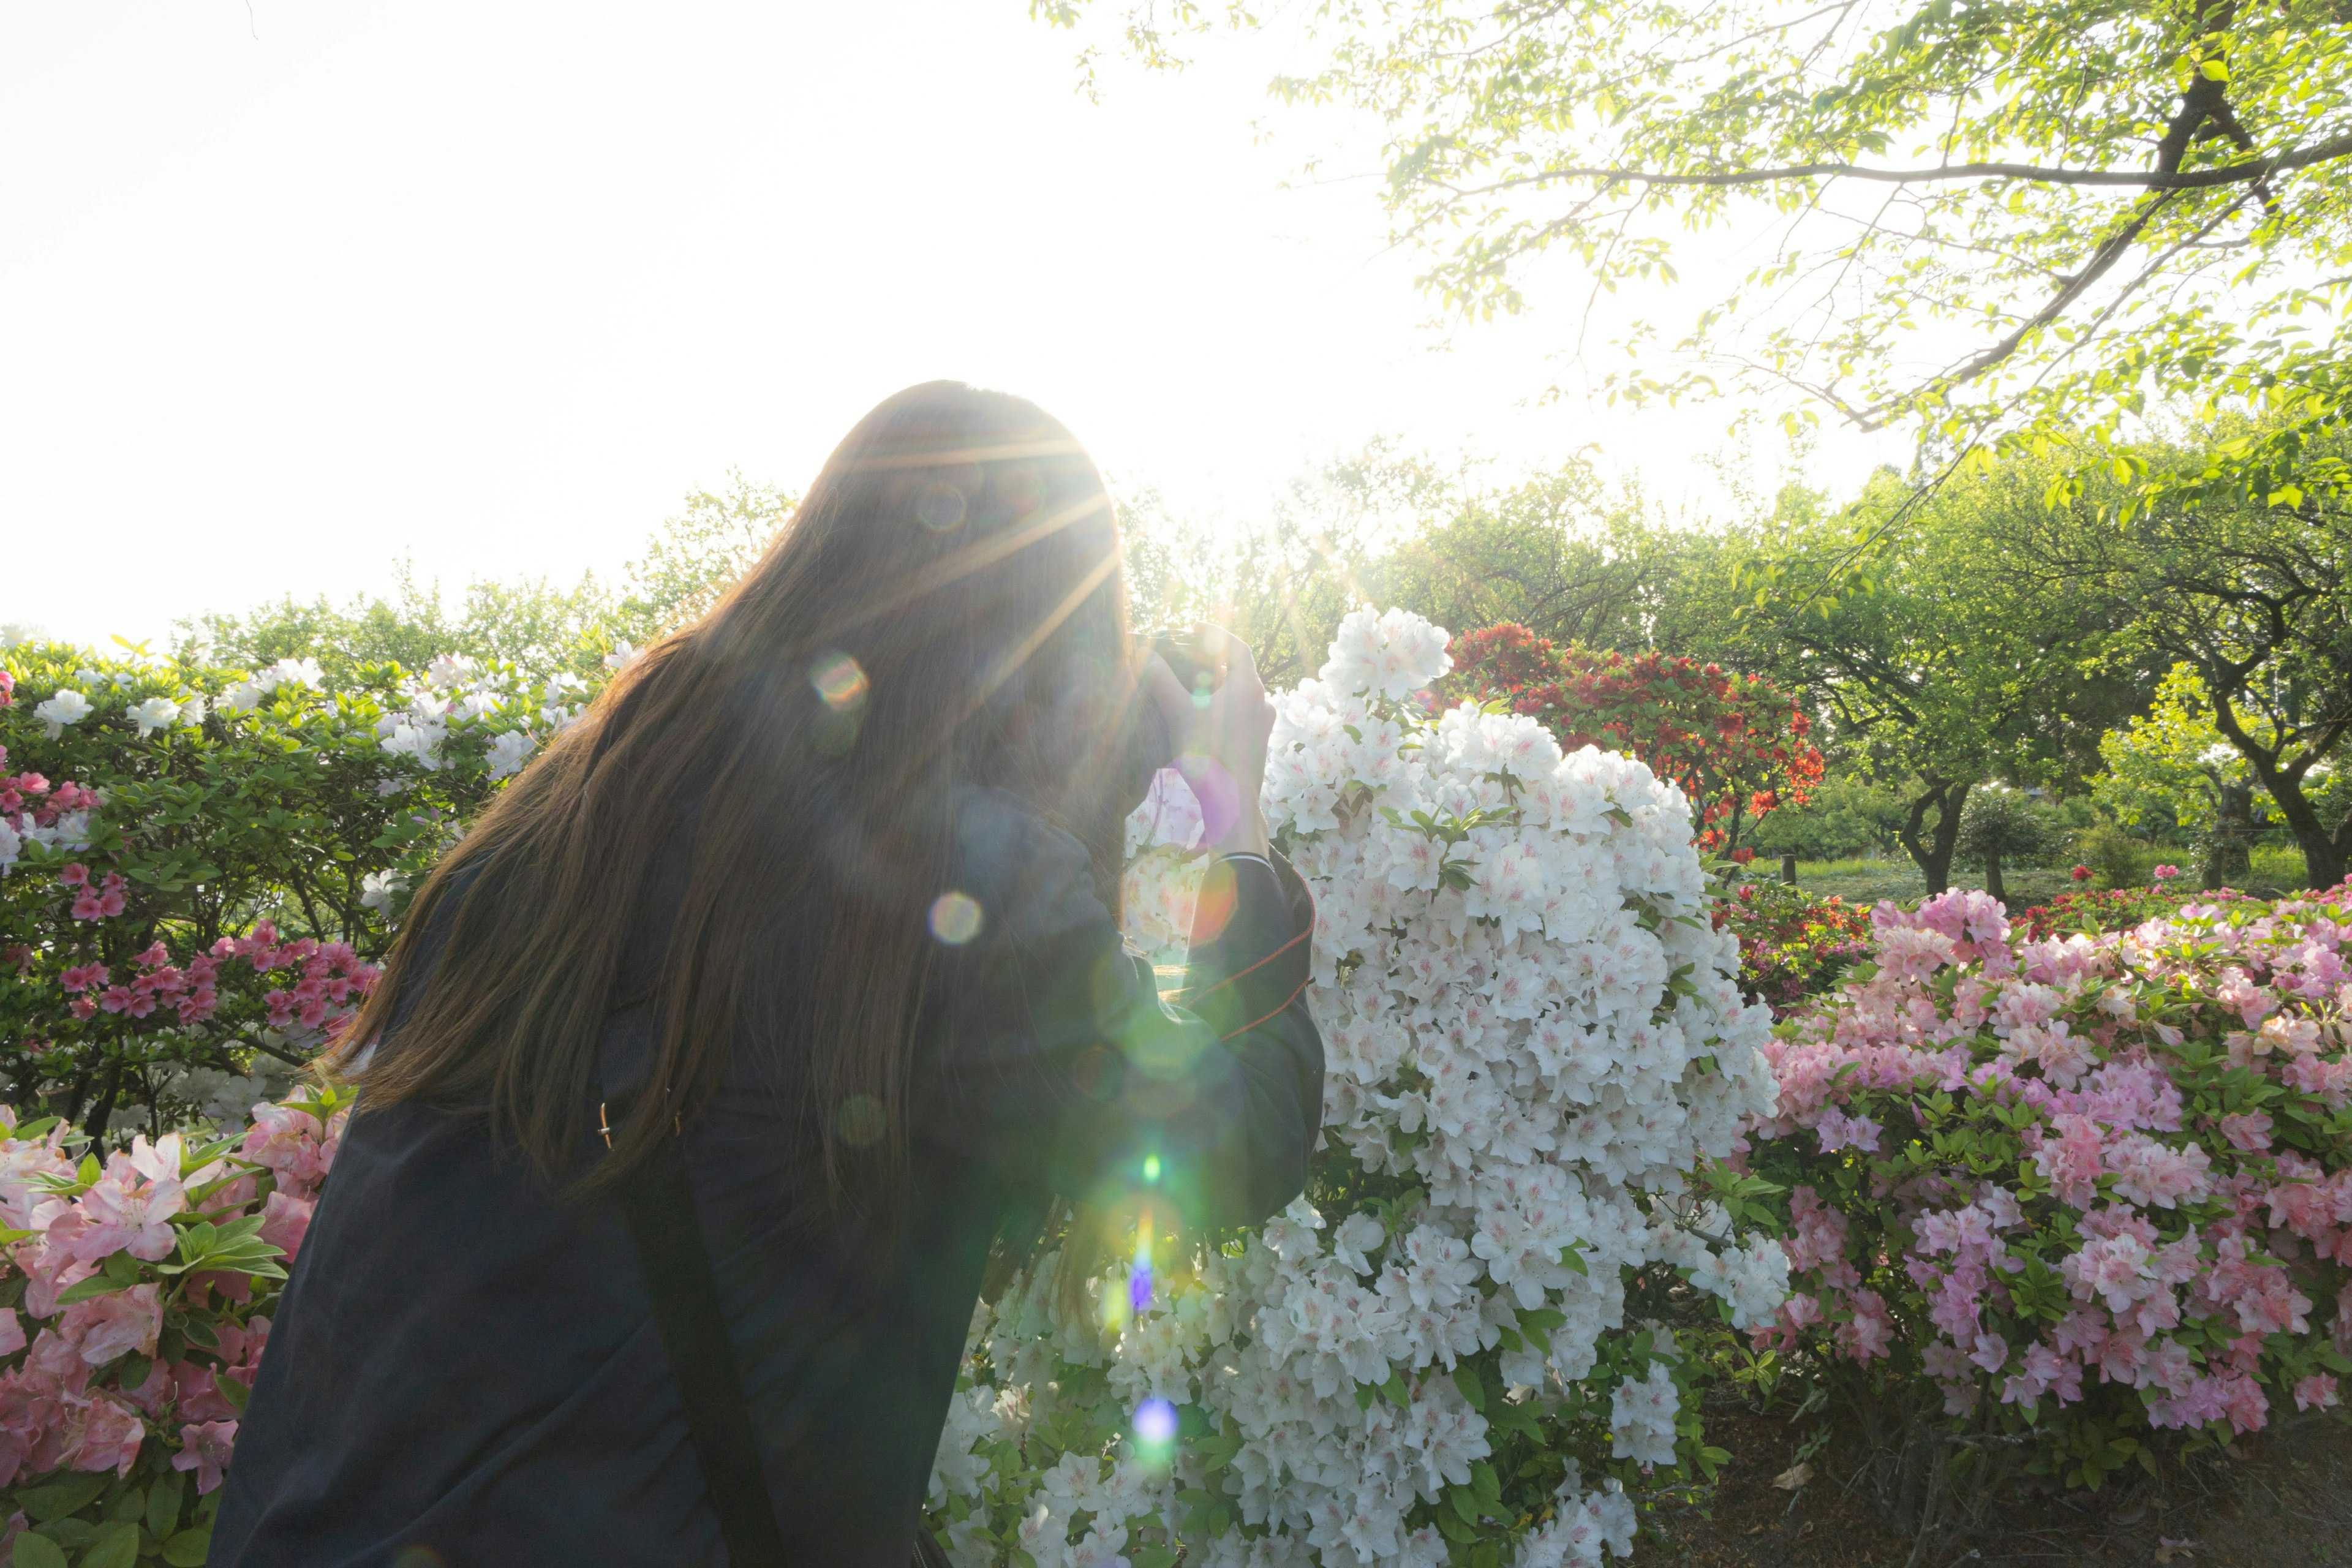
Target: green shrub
[{"x": 2116, "y": 859}]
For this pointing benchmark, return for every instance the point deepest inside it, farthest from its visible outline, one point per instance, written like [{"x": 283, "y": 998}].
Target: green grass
[{"x": 1865, "y": 881}]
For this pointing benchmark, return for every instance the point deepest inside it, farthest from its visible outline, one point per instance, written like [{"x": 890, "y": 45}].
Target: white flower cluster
[
  {"x": 458, "y": 694},
  {"x": 249, "y": 694},
  {"x": 1532, "y": 1033},
  {"x": 70, "y": 831}
]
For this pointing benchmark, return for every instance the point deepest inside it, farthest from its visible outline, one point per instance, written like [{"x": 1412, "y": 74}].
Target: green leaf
[
  {"x": 60, "y": 1498},
  {"x": 37, "y": 1550},
  {"x": 96, "y": 1285},
  {"x": 164, "y": 1503},
  {"x": 1153, "y": 1557},
  {"x": 117, "y": 1547},
  {"x": 189, "y": 1548},
  {"x": 1466, "y": 1378},
  {"x": 235, "y": 1393}
]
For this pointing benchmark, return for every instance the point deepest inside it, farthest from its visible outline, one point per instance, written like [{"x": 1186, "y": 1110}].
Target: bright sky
[{"x": 294, "y": 289}]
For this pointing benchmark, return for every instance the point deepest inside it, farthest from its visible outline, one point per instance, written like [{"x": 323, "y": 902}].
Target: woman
[{"x": 818, "y": 903}]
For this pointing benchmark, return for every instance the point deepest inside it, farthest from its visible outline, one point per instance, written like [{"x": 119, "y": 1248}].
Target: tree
[
  {"x": 1847, "y": 815},
  {"x": 1934, "y": 662},
  {"x": 2257, "y": 598},
  {"x": 2172, "y": 765},
  {"x": 1734, "y": 743},
  {"x": 2001, "y": 824},
  {"x": 1984, "y": 217}
]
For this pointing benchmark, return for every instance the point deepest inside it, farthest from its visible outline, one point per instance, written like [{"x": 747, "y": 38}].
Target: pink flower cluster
[
  {"x": 101, "y": 1373},
  {"x": 21, "y": 796},
  {"x": 327, "y": 975},
  {"x": 32, "y": 812},
  {"x": 329, "y": 978},
  {"x": 2168, "y": 1210}
]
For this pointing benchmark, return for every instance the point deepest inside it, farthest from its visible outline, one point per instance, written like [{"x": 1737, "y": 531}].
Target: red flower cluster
[
  {"x": 2094, "y": 910},
  {"x": 1734, "y": 743},
  {"x": 1792, "y": 944}
]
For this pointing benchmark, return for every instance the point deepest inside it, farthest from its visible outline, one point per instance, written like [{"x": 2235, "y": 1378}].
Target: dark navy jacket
[{"x": 463, "y": 1369}]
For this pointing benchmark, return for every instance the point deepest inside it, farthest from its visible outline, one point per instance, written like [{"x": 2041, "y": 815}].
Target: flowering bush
[
  {"x": 1734, "y": 744},
  {"x": 2104, "y": 910},
  {"x": 1534, "y": 1036},
  {"x": 135, "y": 1303},
  {"x": 1792, "y": 944},
  {"x": 197, "y": 866},
  {"x": 2085, "y": 1193}
]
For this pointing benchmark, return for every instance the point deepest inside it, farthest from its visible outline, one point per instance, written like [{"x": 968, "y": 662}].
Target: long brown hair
[{"x": 945, "y": 606}]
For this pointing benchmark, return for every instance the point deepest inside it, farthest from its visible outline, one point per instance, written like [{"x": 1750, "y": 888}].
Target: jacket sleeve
[{"x": 1078, "y": 1078}]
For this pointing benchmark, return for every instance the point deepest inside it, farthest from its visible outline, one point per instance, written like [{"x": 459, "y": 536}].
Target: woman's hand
[{"x": 1221, "y": 737}]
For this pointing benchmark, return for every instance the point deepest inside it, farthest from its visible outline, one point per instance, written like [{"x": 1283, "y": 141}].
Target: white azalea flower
[
  {"x": 378, "y": 888},
  {"x": 155, "y": 714},
  {"x": 508, "y": 751},
  {"x": 1501, "y": 1034},
  {"x": 296, "y": 672},
  {"x": 68, "y": 707}
]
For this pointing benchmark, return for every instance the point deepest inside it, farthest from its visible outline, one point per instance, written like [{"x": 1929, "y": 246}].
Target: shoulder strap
[{"x": 658, "y": 1204}]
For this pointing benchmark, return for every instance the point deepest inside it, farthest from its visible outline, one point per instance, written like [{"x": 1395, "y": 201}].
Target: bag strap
[{"x": 658, "y": 1202}]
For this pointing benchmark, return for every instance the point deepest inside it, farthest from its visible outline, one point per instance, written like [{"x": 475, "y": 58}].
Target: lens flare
[
  {"x": 1151, "y": 1167},
  {"x": 1138, "y": 1277},
  {"x": 955, "y": 918},
  {"x": 860, "y": 1119},
  {"x": 939, "y": 507},
  {"x": 840, "y": 681},
  {"x": 1155, "y": 1422}
]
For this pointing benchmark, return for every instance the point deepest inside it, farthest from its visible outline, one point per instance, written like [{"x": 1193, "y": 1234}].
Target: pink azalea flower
[
  {"x": 285, "y": 1220},
  {"x": 2250, "y": 1130},
  {"x": 197, "y": 1395},
  {"x": 206, "y": 1447},
  {"x": 115, "y": 1324},
  {"x": 288, "y": 1141},
  {"x": 1870, "y": 1331},
  {"x": 2316, "y": 1392},
  {"x": 2070, "y": 1162},
  {"x": 1837, "y": 1131},
  {"x": 124, "y": 1219},
  {"x": 110, "y": 1435}
]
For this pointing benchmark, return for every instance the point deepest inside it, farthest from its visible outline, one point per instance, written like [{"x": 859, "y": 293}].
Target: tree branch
[{"x": 2238, "y": 174}]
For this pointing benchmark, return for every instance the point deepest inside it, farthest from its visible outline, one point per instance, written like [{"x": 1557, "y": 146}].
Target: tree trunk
[
  {"x": 2324, "y": 851},
  {"x": 103, "y": 1107},
  {"x": 1993, "y": 877},
  {"x": 1789, "y": 869},
  {"x": 1933, "y": 854},
  {"x": 2229, "y": 852}
]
